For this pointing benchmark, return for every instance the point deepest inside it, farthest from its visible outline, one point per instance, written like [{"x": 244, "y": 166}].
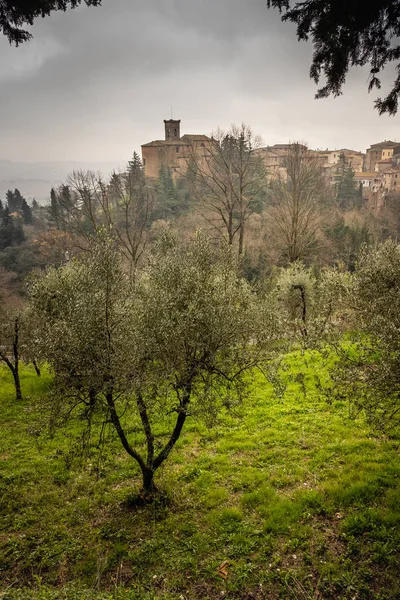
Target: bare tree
[
  {"x": 229, "y": 180},
  {"x": 389, "y": 216},
  {"x": 128, "y": 210},
  {"x": 297, "y": 204},
  {"x": 123, "y": 205}
]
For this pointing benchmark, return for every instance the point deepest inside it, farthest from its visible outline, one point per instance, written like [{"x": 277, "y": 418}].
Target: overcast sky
[{"x": 96, "y": 83}]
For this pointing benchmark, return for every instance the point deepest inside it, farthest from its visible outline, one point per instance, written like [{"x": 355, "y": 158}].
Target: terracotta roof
[
  {"x": 366, "y": 174},
  {"x": 286, "y": 146},
  {"x": 268, "y": 149},
  {"x": 191, "y": 136},
  {"x": 161, "y": 143},
  {"x": 385, "y": 144},
  {"x": 185, "y": 138},
  {"x": 348, "y": 151}
]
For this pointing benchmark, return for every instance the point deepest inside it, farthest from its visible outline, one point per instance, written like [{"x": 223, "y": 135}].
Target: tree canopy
[
  {"x": 372, "y": 365},
  {"x": 15, "y": 14},
  {"x": 348, "y": 34},
  {"x": 177, "y": 341}
]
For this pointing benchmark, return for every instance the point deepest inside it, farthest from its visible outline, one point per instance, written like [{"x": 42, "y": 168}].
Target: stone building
[
  {"x": 380, "y": 151},
  {"x": 373, "y": 187},
  {"x": 377, "y": 171},
  {"x": 174, "y": 151},
  {"x": 391, "y": 178},
  {"x": 330, "y": 161},
  {"x": 274, "y": 159},
  {"x": 273, "y": 162}
]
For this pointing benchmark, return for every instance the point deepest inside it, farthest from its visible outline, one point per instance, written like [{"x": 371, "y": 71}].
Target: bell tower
[{"x": 172, "y": 129}]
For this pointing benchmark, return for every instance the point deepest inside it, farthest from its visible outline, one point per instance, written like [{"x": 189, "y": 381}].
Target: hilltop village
[{"x": 376, "y": 171}]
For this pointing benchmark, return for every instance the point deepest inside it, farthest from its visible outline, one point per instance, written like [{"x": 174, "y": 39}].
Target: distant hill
[{"x": 35, "y": 180}]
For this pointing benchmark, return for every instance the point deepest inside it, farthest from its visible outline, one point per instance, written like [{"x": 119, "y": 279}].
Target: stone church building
[{"x": 174, "y": 151}]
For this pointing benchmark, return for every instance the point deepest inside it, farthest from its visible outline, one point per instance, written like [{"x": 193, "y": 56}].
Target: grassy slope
[{"x": 302, "y": 501}]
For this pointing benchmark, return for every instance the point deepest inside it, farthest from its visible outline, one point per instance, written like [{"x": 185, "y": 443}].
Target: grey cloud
[{"x": 96, "y": 82}]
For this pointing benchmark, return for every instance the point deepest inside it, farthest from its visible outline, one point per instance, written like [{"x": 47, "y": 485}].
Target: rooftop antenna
[{"x": 171, "y": 114}]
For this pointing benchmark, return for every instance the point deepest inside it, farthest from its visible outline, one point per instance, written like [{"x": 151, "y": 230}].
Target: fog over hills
[{"x": 35, "y": 180}]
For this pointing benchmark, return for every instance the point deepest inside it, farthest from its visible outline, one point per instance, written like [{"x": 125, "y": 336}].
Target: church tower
[{"x": 172, "y": 129}]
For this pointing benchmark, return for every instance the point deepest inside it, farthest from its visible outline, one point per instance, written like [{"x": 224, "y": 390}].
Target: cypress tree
[
  {"x": 7, "y": 232},
  {"x": 347, "y": 191},
  {"x": 135, "y": 168},
  {"x": 19, "y": 235},
  {"x": 54, "y": 209},
  {"x": 167, "y": 194},
  {"x": 26, "y": 213},
  {"x": 14, "y": 200}
]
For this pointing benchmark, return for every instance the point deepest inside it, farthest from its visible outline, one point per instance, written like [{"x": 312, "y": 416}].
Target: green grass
[{"x": 303, "y": 502}]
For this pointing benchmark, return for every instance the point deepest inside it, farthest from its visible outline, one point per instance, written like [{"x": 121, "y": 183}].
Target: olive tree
[
  {"x": 10, "y": 342},
  {"x": 371, "y": 369},
  {"x": 11, "y": 322},
  {"x": 309, "y": 307},
  {"x": 175, "y": 343}
]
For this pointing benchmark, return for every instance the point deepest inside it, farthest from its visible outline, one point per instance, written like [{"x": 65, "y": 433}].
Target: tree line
[{"x": 227, "y": 191}]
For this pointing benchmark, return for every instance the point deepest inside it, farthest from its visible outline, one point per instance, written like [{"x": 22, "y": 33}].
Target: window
[
  {"x": 177, "y": 149},
  {"x": 175, "y": 132},
  {"x": 144, "y": 162},
  {"x": 202, "y": 144}
]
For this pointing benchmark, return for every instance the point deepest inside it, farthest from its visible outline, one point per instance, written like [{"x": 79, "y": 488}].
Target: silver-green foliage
[
  {"x": 309, "y": 307},
  {"x": 373, "y": 360},
  {"x": 82, "y": 312},
  {"x": 179, "y": 340}
]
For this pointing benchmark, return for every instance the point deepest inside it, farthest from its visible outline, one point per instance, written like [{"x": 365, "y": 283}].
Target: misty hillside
[{"x": 34, "y": 180}]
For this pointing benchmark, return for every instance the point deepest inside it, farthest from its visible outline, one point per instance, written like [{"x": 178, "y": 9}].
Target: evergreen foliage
[
  {"x": 372, "y": 364},
  {"x": 26, "y": 212},
  {"x": 54, "y": 209},
  {"x": 14, "y": 200},
  {"x": 135, "y": 170},
  {"x": 15, "y": 14},
  {"x": 345, "y": 35},
  {"x": 167, "y": 196},
  {"x": 11, "y": 230},
  {"x": 6, "y": 229},
  {"x": 348, "y": 193},
  {"x": 347, "y": 242}
]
